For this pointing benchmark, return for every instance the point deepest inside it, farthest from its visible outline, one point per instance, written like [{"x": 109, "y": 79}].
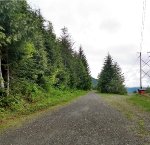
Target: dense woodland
[{"x": 32, "y": 58}]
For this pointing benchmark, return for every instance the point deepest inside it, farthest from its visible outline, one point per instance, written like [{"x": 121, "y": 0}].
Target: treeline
[{"x": 32, "y": 58}]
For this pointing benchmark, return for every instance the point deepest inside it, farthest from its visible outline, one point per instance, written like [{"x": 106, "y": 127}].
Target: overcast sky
[{"x": 103, "y": 26}]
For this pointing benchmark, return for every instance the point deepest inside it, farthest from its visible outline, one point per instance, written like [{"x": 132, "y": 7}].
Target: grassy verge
[
  {"x": 141, "y": 101},
  {"x": 135, "y": 108},
  {"x": 23, "y": 110}
]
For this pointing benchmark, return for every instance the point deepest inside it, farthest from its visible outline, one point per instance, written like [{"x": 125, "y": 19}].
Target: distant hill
[
  {"x": 132, "y": 89},
  {"x": 129, "y": 89},
  {"x": 94, "y": 82}
]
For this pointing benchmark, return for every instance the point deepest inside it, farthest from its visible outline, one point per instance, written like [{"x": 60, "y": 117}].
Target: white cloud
[{"x": 110, "y": 25}]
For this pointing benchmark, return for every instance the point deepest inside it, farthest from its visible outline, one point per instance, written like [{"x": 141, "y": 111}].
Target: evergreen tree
[
  {"x": 111, "y": 80},
  {"x": 85, "y": 72},
  {"x": 68, "y": 57}
]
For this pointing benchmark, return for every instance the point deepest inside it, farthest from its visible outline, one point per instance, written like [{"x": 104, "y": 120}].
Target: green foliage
[
  {"x": 9, "y": 101},
  {"x": 84, "y": 72},
  {"x": 28, "y": 50},
  {"x": 33, "y": 59},
  {"x": 3, "y": 39},
  {"x": 111, "y": 79},
  {"x": 32, "y": 92},
  {"x": 75, "y": 64}
]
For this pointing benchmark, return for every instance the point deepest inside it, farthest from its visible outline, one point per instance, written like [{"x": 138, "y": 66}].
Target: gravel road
[{"x": 85, "y": 121}]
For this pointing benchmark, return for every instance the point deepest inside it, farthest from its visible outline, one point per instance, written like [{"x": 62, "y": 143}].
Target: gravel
[{"x": 86, "y": 121}]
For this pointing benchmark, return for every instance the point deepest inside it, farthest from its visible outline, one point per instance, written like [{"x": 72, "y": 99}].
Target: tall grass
[{"x": 141, "y": 101}]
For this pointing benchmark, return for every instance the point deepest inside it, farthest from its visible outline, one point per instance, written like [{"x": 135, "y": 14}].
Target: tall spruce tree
[
  {"x": 85, "y": 72},
  {"x": 111, "y": 80}
]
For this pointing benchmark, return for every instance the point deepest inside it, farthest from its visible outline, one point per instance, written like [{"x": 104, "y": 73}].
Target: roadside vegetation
[{"x": 141, "y": 101}]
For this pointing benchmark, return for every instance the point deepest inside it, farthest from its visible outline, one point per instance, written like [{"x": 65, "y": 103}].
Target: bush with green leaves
[{"x": 9, "y": 101}]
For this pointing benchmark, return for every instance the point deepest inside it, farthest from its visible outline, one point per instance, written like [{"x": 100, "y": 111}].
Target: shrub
[
  {"x": 32, "y": 92},
  {"x": 29, "y": 90},
  {"x": 8, "y": 101}
]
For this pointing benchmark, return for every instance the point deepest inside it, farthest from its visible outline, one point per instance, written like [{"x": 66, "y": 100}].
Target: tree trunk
[
  {"x": 1, "y": 75},
  {"x": 8, "y": 77}
]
